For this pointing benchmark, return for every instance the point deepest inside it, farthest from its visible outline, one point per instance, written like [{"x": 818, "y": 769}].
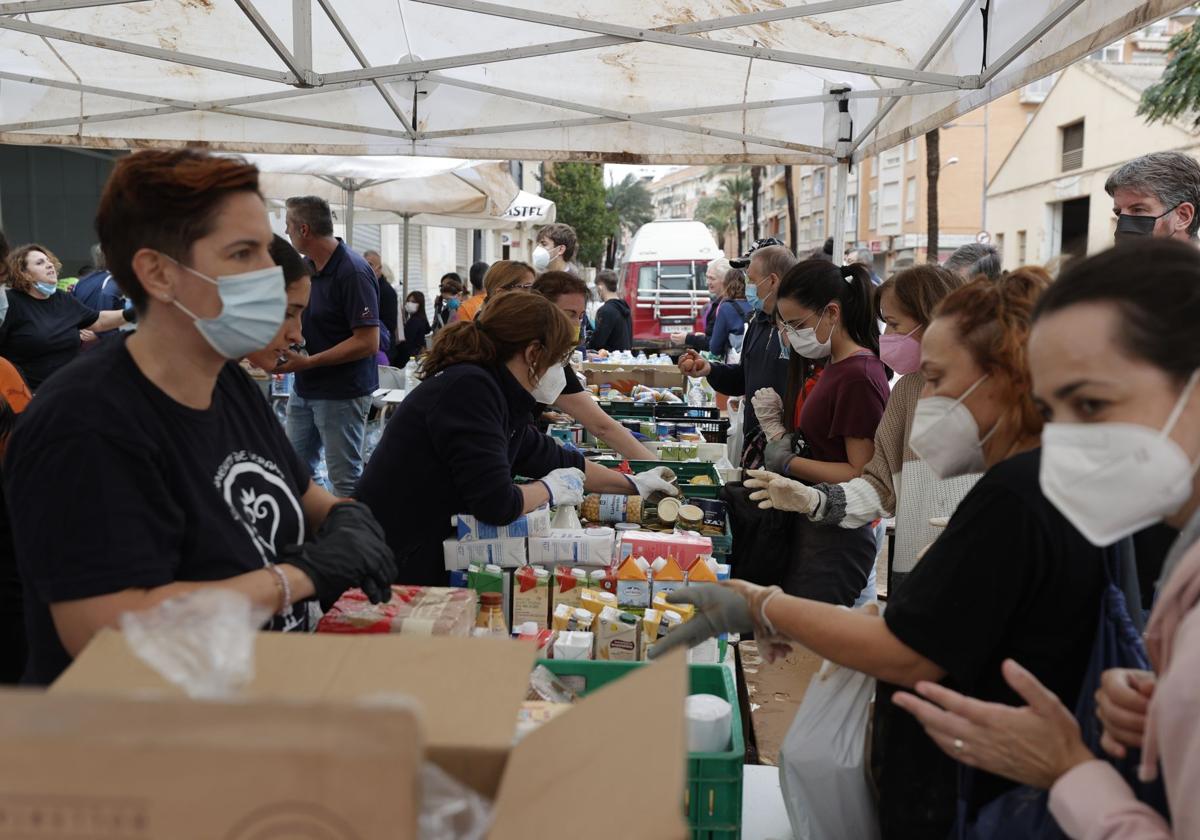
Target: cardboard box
[
  {"x": 88, "y": 737},
  {"x": 685, "y": 548},
  {"x": 582, "y": 547},
  {"x": 536, "y": 523},
  {"x": 624, "y": 378},
  {"x": 507, "y": 553}
]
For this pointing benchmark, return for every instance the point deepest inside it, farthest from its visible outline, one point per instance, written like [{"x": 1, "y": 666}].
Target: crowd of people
[{"x": 1025, "y": 431}]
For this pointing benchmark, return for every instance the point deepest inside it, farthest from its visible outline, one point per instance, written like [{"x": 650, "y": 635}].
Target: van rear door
[{"x": 669, "y": 296}]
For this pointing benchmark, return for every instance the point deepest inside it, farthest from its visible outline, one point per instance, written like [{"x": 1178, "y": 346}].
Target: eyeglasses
[
  {"x": 524, "y": 287},
  {"x": 781, "y": 324}
]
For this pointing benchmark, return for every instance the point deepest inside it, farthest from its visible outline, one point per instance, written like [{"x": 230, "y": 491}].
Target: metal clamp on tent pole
[{"x": 843, "y": 143}]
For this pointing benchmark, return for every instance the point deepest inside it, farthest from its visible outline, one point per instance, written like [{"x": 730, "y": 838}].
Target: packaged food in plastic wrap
[{"x": 420, "y": 610}]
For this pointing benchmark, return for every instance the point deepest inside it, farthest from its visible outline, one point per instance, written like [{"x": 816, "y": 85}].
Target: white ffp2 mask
[
  {"x": 946, "y": 437},
  {"x": 1111, "y": 480},
  {"x": 550, "y": 386}
]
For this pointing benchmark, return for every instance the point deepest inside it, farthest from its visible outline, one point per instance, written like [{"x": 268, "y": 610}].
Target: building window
[
  {"x": 1112, "y": 54},
  {"x": 891, "y": 159},
  {"x": 818, "y": 183},
  {"x": 912, "y": 149},
  {"x": 1020, "y": 248},
  {"x": 1000, "y": 245},
  {"x": 873, "y": 210},
  {"x": 818, "y": 226},
  {"x": 852, "y": 216},
  {"x": 1072, "y": 146},
  {"x": 889, "y": 210},
  {"x": 910, "y": 200},
  {"x": 805, "y": 187}
]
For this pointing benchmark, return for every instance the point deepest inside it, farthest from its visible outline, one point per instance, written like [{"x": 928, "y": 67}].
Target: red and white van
[{"x": 663, "y": 278}]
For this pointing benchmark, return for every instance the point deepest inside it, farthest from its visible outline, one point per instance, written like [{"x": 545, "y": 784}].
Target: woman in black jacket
[
  {"x": 464, "y": 432},
  {"x": 416, "y": 327}
]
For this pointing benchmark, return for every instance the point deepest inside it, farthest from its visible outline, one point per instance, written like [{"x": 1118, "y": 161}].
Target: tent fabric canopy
[{"x": 632, "y": 81}]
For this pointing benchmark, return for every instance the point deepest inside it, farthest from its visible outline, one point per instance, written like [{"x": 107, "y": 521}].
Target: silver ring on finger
[{"x": 959, "y": 746}]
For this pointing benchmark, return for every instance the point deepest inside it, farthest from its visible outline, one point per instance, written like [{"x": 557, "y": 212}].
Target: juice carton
[
  {"x": 633, "y": 583},
  {"x": 667, "y": 576},
  {"x": 604, "y": 579},
  {"x": 489, "y": 578},
  {"x": 685, "y": 611},
  {"x": 567, "y": 618},
  {"x": 531, "y": 596},
  {"x": 568, "y": 583},
  {"x": 595, "y": 602},
  {"x": 616, "y": 636},
  {"x": 704, "y": 570},
  {"x": 572, "y": 644},
  {"x": 654, "y": 625}
]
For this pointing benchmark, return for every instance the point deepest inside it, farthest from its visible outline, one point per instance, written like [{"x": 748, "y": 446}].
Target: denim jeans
[{"x": 339, "y": 425}]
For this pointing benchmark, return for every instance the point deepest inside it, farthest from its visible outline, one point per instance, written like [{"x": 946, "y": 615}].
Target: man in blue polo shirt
[{"x": 334, "y": 382}]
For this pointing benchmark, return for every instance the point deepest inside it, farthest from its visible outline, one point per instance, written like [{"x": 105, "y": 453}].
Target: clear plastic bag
[
  {"x": 449, "y": 809},
  {"x": 202, "y": 642}
]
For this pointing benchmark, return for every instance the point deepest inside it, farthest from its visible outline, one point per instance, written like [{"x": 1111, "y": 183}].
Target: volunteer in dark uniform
[
  {"x": 188, "y": 478},
  {"x": 465, "y": 432},
  {"x": 41, "y": 331},
  {"x": 764, "y": 362}
]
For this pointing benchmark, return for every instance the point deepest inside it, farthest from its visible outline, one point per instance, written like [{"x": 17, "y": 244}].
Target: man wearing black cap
[{"x": 764, "y": 362}]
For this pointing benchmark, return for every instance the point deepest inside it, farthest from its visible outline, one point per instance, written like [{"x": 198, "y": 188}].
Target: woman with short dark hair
[{"x": 188, "y": 478}]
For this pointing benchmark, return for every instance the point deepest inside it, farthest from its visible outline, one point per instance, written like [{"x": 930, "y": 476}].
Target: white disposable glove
[
  {"x": 653, "y": 481},
  {"x": 775, "y": 491},
  {"x": 768, "y": 407},
  {"x": 565, "y": 486}
]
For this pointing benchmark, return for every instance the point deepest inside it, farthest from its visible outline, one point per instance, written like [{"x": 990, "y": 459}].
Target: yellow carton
[
  {"x": 686, "y": 612},
  {"x": 594, "y": 601},
  {"x": 616, "y": 636},
  {"x": 654, "y": 625},
  {"x": 568, "y": 618}
]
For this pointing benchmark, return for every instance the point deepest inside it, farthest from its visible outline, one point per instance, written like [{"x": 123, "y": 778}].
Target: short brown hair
[
  {"x": 564, "y": 235},
  {"x": 608, "y": 279},
  {"x": 734, "y": 287},
  {"x": 164, "y": 200},
  {"x": 501, "y": 330},
  {"x": 505, "y": 274},
  {"x": 993, "y": 319},
  {"x": 918, "y": 290},
  {"x": 554, "y": 284},
  {"x": 19, "y": 278}
]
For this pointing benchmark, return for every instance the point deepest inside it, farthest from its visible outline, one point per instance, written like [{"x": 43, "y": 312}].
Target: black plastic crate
[{"x": 668, "y": 411}]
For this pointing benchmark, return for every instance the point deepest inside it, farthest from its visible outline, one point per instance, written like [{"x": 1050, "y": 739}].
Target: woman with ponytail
[
  {"x": 455, "y": 443},
  {"x": 824, "y": 312},
  {"x": 1010, "y": 577}
]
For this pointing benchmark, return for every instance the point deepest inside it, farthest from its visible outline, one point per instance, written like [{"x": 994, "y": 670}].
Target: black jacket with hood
[{"x": 614, "y": 327}]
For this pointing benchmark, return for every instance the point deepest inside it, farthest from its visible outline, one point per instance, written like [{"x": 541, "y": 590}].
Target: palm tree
[
  {"x": 791, "y": 207},
  {"x": 631, "y": 207},
  {"x": 735, "y": 188},
  {"x": 933, "y": 168},
  {"x": 717, "y": 212},
  {"x": 756, "y": 173}
]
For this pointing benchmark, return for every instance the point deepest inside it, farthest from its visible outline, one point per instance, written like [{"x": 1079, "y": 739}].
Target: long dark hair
[
  {"x": 815, "y": 284},
  {"x": 1155, "y": 286},
  {"x": 419, "y": 297}
]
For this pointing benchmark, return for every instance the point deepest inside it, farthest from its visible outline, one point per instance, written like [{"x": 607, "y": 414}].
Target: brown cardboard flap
[
  {"x": 469, "y": 689},
  {"x": 627, "y": 741},
  {"x": 191, "y": 770}
]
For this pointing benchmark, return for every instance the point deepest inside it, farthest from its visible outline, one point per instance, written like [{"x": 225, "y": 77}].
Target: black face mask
[{"x": 1137, "y": 225}]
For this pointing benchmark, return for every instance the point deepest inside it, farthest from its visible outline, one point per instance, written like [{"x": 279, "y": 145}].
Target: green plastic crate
[
  {"x": 686, "y": 470},
  {"x": 713, "y": 795}
]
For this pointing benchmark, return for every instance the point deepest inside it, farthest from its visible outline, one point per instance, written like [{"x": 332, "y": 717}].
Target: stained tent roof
[{"x": 653, "y": 81}]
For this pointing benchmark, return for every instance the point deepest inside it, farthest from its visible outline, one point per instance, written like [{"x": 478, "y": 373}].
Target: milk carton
[
  {"x": 531, "y": 596},
  {"x": 616, "y": 635},
  {"x": 568, "y": 583},
  {"x": 667, "y": 576},
  {"x": 633, "y": 583}
]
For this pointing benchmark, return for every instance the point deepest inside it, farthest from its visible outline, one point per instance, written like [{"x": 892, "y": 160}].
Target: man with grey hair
[
  {"x": 974, "y": 259},
  {"x": 714, "y": 277},
  {"x": 334, "y": 381},
  {"x": 765, "y": 355},
  {"x": 1157, "y": 195}
]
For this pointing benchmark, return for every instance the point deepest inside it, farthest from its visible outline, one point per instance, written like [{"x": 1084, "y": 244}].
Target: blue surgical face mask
[
  {"x": 253, "y": 306},
  {"x": 47, "y": 289}
]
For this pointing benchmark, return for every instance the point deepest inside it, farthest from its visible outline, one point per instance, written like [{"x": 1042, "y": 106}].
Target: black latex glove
[{"x": 350, "y": 551}]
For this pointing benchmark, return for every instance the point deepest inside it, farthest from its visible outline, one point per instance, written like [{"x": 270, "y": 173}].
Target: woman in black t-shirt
[
  {"x": 164, "y": 444},
  {"x": 44, "y": 330},
  {"x": 1009, "y": 577}
]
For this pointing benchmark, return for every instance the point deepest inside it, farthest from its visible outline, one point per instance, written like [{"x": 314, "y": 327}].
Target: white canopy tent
[
  {"x": 633, "y": 81},
  {"x": 405, "y": 187}
]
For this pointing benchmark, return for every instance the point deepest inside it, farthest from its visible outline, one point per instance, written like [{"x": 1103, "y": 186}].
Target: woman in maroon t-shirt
[{"x": 825, "y": 312}]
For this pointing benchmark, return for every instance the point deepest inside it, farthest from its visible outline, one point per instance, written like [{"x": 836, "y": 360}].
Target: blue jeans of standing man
[{"x": 340, "y": 425}]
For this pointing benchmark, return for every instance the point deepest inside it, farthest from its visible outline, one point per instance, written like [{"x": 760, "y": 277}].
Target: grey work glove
[
  {"x": 778, "y": 455},
  {"x": 719, "y": 609}
]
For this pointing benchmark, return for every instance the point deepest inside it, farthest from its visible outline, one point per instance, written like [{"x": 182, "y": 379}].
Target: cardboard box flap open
[
  {"x": 109, "y": 766},
  {"x": 472, "y": 705},
  {"x": 628, "y": 736}
]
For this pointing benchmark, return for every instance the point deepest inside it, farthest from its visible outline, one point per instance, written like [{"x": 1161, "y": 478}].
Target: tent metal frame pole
[
  {"x": 302, "y": 35},
  {"x": 404, "y": 274},
  {"x": 581, "y": 44},
  {"x": 839, "y": 217},
  {"x": 689, "y": 42},
  {"x": 130, "y": 48},
  {"x": 1051, "y": 20},
  {"x": 303, "y": 74},
  {"x": 361, "y": 58},
  {"x": 351, "y": 188},
  {"x": 30, "y": 7},
  {"x": 930, "y": 54}
]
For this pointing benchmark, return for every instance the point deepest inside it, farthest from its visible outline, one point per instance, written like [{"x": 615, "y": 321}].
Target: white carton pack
[
  {"x": 582, "y": 547},
  {"x": 573, "y": 644},
  {"x": 536, "y": 523},
  {"x": 506, "y": 553}
]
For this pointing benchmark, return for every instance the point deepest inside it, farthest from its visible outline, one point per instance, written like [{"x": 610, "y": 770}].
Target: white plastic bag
[
  {"x": 733, "y": 446},
  {"x": 822, "y": 763}
]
